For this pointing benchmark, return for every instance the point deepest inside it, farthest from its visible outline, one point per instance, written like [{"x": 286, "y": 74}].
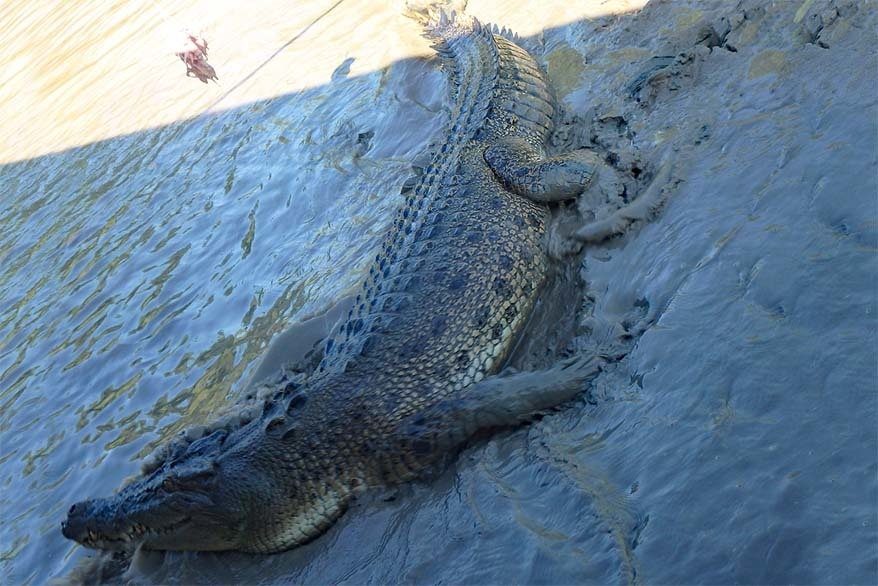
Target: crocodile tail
[
  {"x": 430, "y": 12},
  {"x": 470, "y": 57},
  {"x": 509, "y": 83}
]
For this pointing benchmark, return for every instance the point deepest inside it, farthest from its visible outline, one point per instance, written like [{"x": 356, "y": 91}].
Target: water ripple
[{"x": 145, "y": 275}]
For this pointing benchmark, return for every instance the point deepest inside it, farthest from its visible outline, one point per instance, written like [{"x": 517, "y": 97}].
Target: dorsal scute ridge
[
  {"x": 470, "y": 55},
  {"x": 283, "y": 387}
]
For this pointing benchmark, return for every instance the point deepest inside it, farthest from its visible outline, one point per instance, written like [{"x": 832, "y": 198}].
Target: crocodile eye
[{"x": 168, "y": 484}]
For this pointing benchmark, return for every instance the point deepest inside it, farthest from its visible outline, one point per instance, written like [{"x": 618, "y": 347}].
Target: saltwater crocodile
[{"x": 411, "y": 374}]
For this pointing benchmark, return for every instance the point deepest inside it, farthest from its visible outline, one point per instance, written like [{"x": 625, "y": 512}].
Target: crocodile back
[{"x": 455, "y": 279}]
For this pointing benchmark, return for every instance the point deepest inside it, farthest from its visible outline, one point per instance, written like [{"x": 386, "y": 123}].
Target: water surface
[{"x": 144, "y": 276}]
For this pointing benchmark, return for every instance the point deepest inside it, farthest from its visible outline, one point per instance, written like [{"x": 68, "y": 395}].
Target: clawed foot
[
  {"x": 560, "y": 241},
  {"x": 640, "y": 209},
  {"x": 603, "y": 190},
  {"x": 579, "y": 368}
]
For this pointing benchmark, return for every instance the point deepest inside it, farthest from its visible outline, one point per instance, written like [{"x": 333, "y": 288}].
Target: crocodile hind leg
[
  {"x": 524, "y": 169},
  {"x": 428, "y": 436}
]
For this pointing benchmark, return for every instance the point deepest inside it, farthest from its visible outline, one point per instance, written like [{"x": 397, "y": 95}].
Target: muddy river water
[{"x": 147, "y": 263}]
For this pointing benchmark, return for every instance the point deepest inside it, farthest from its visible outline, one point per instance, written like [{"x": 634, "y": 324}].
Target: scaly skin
[{"x": 401, "y": 382}]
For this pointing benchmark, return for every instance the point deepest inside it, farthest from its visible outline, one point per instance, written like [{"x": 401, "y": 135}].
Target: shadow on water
[{"x": 143, "y": 277}]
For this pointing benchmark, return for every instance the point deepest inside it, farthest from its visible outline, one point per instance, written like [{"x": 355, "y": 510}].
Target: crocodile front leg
[
  {"x": 425, "y": 438},
  {"x": 524, "y": 169}
]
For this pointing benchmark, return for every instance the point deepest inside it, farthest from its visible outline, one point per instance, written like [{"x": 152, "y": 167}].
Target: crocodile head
[
  {"x": 257, "y": 485},
  {"x": 188, "y": 502}
]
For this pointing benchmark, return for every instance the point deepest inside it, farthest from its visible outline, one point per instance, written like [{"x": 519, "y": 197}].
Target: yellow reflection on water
[{"x": 72, "y": 73}]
